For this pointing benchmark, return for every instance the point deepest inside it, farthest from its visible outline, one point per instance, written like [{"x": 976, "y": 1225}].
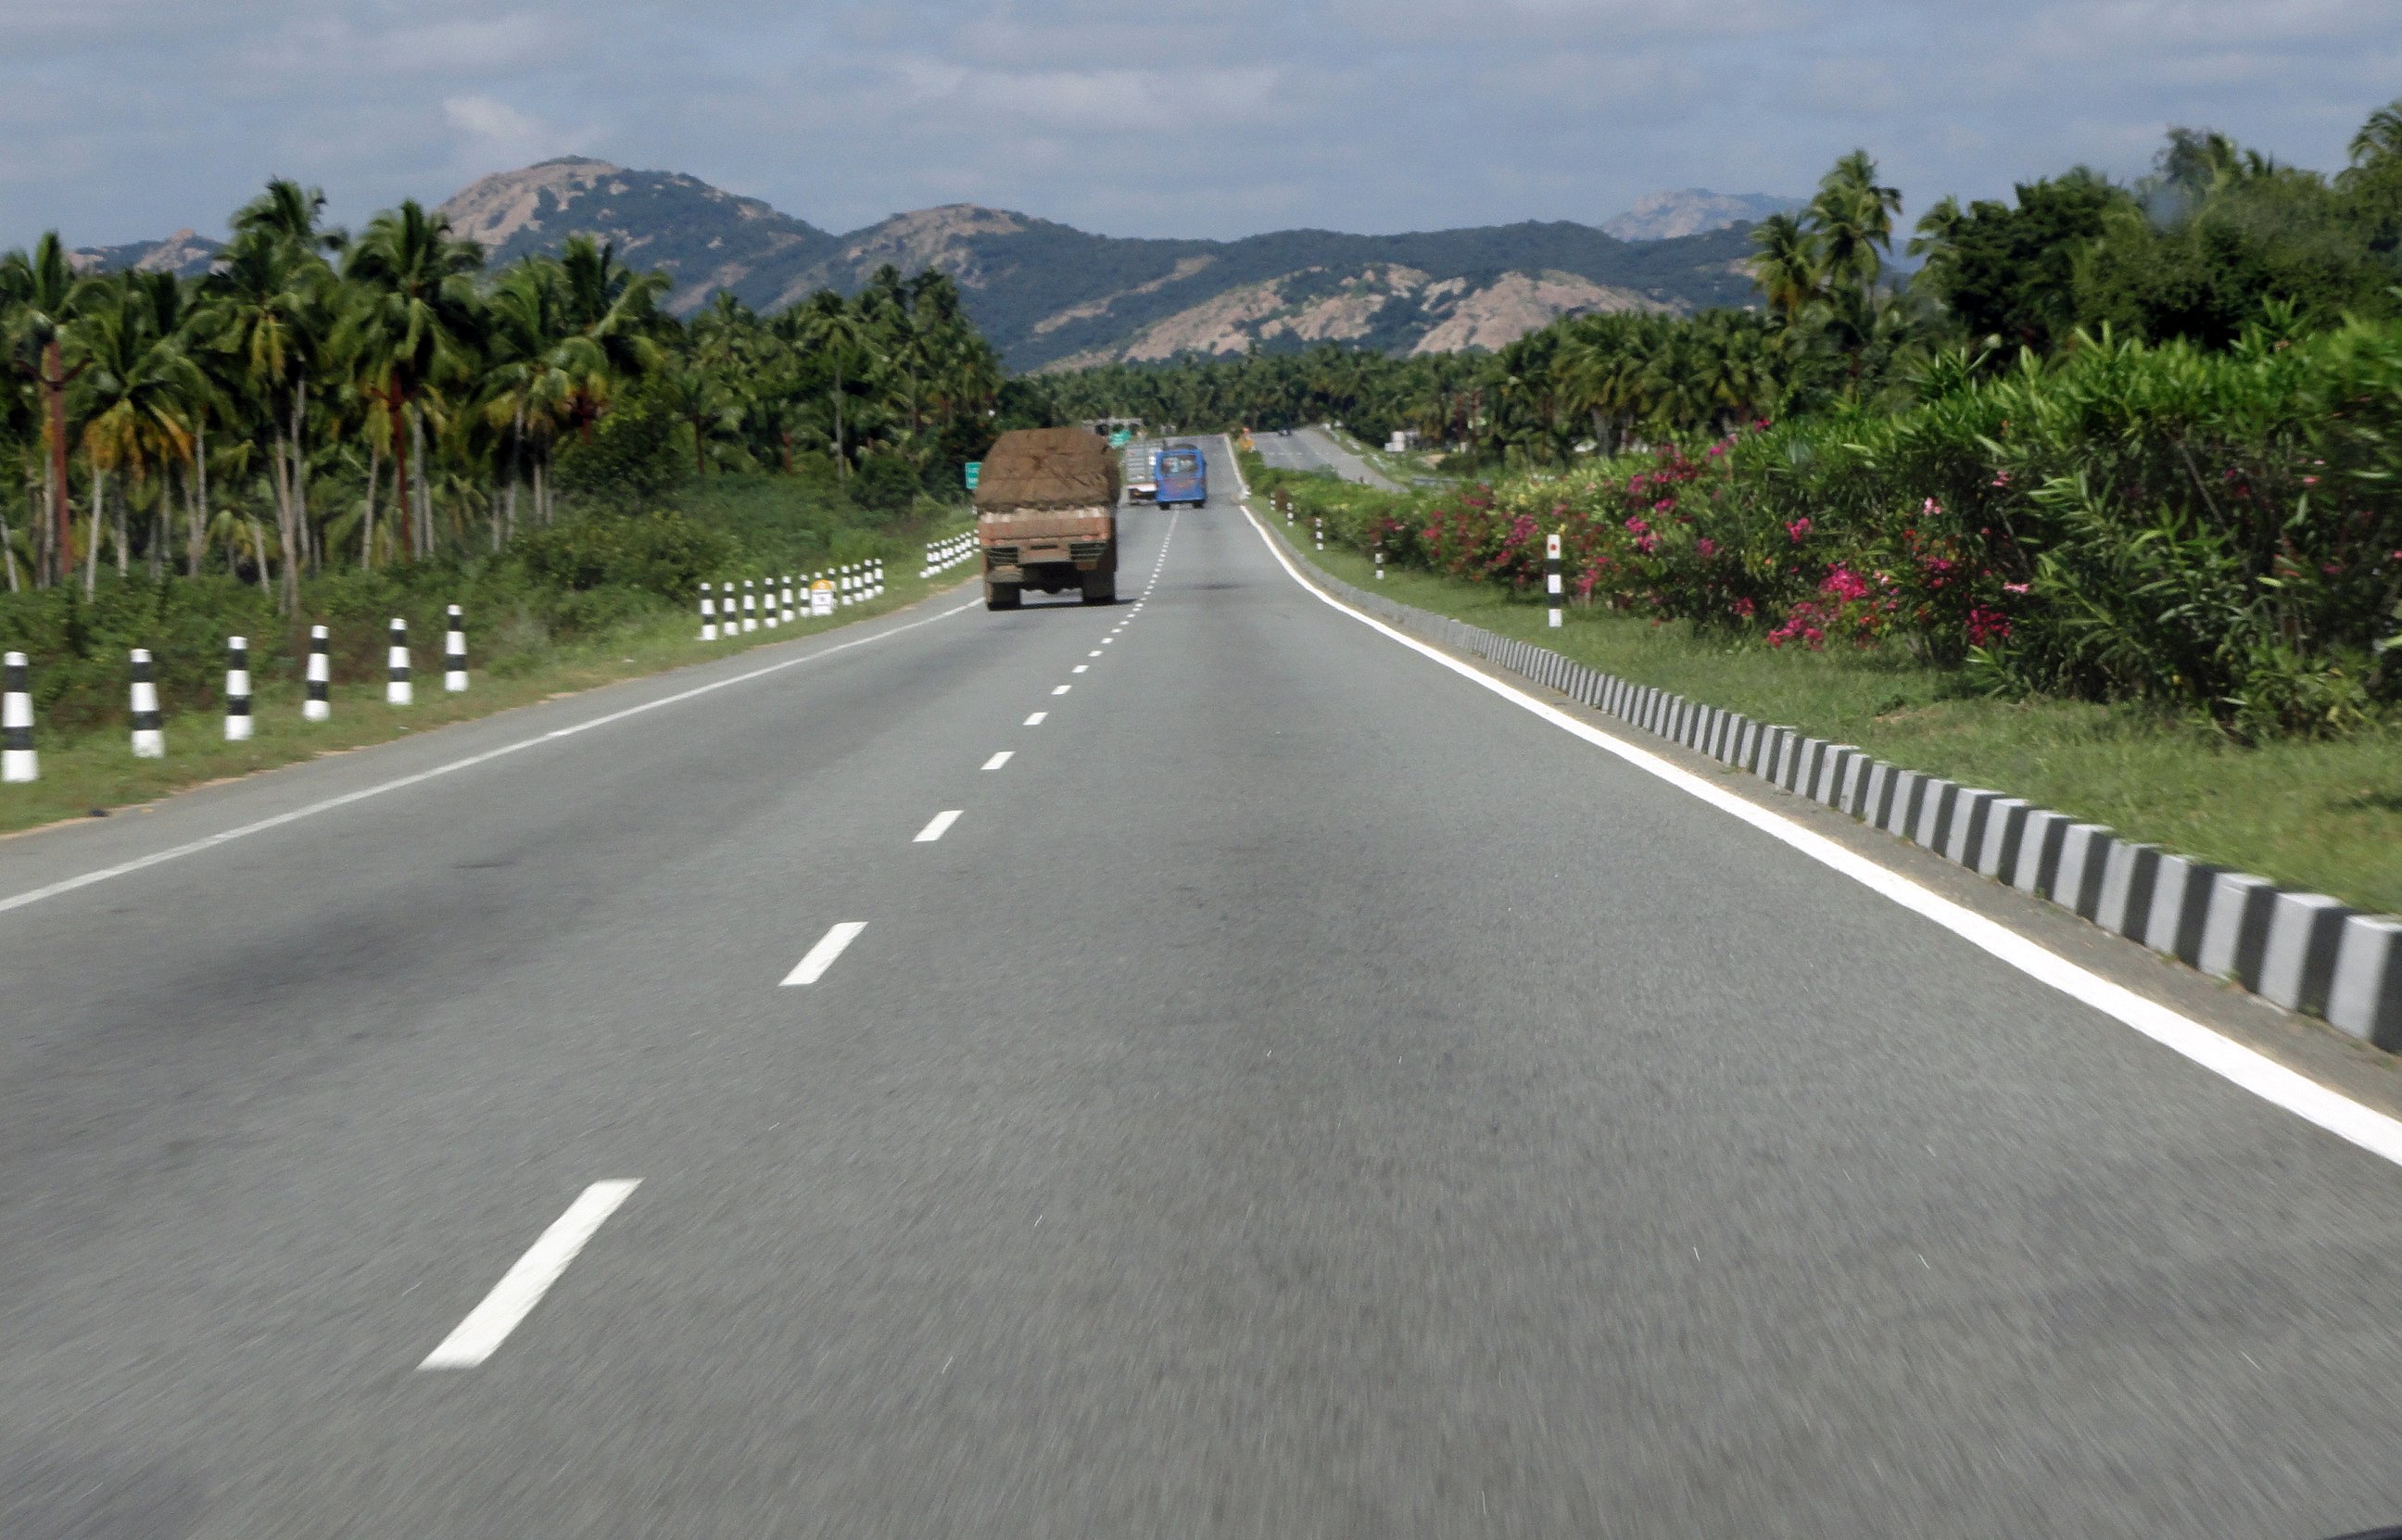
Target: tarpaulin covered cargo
[{"x": 1047, "y": 468}]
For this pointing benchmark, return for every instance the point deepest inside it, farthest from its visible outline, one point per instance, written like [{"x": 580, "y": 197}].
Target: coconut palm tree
[
  {"x": 134, "y": 395},
  {"x": 412, "y": 321},
  {"x": 43, "y": 292}
]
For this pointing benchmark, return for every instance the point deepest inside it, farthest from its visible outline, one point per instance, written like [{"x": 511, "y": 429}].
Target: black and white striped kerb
[
  {"x": 1551, "y": 574},
  {"x": 149, "y": 739},
  {"x": 17, "y": 761},
  {"x": 317, "y": 707},
  {"x": 707, "y": 615},
  {"x": 454, "y": 653},
  {"x": 397, "y": 690},
  {"x": 237, "y": 688}
]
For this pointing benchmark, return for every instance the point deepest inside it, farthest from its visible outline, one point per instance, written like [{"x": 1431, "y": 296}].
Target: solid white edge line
[
  {"x": 1036, "y": 719},
  {"x": 521, "y": 1288},
  {"x": 2255, "y": 1072},
  {"x": 69, "y": 885},
  {"x": 812, "y": 967},
  {"x": 999, "y": 759},
  {"x": 937, "y": 826}
]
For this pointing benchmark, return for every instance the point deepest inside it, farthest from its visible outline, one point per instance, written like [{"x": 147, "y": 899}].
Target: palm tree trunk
[
  {"x": 91, "y": 553},
  {"x": 123, "y": 548},
  {"x": 289, "y": 601},
  {"x": 366, "y": 524},
  {"x": 506, "y": 530},
  {"x": 298, "y": 434},
  {"x": 541, "y": 491},
  {"x": 259, "y": 546},
  {"x": 423, "y": 510},
  {"x": 54, "y": 386},
  {"x": 9, "y": 554},
  {"x": 199, "y": 542},
  {"x": 841, "y": 461},
  {"x": 400, "y": 473}
]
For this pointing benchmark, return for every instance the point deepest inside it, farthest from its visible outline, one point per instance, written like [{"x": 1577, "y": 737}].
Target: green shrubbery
[
  {"x": 2219, "y": 531},
  {"x": 594, "y": 573}
]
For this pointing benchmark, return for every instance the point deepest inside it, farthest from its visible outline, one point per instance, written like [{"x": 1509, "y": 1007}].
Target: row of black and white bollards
[
  {"x": 727, "y": 610},
  {"x": 19, "y": 763}
]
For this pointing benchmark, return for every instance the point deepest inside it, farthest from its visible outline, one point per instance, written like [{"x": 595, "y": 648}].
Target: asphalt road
[
  {"x": 1300, "y": 1093},
  {"x": 1316, "y": 449}
]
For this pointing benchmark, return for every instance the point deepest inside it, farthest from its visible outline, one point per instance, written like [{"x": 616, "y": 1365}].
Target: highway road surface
[
  {"x": 1192, "y": 1067},
  {"x": 1316, "y": 449}
]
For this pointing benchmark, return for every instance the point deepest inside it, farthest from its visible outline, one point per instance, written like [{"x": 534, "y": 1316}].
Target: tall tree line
[{"x": 326, "y": 398}]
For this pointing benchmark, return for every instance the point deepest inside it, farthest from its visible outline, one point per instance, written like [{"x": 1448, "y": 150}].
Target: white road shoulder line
[
  {"x": 999, "y": 760},
  {"x": 936, "y": 827},
  {"x": 810, "y": 968},
  {"x": 52, "y": 890},
  {"x": 523, "y": 1285},
  {"x": 2255, "y": 1072}
]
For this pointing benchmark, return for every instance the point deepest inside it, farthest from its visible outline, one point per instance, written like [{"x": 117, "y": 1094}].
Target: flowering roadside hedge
[{"x": 2219, "y": 530}]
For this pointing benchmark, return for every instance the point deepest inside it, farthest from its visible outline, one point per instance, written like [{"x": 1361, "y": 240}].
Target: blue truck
[{"x": 1178, "y": 474}]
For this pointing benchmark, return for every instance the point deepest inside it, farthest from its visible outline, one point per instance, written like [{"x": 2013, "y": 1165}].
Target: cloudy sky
[{"x": 123, "y": 119}]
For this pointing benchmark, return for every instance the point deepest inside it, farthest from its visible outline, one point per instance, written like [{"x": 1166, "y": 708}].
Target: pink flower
[
  {"x": 1744, "y": 608},
  {"x": 1707, "y": 546},
  {"x": 1931, "y": 508},
  {"x": 1666, "y": 504},
  {"x": 1796, "y": 529},
  {"x": 2001, "y": 478},
  {"x": 2014, "y": 587},
  {"x": 1636, "y": 526},
  {"x": 2309, "y": 481}
]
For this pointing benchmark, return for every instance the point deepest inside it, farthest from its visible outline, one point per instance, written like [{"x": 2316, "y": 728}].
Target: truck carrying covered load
[{"x": 1047, "y": 516}]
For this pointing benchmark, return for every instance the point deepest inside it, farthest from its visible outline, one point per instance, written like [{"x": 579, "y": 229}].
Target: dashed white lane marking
[
  {"x": 1106, "y": 641},
  {"x": 2254, "y": 1072},
  {"x": 210, "y": 842},
  {"x": 1093, "y": 654},
  {"x": 935, "y": 826},
  {"x": 999, "y": 760},
  {"x": 810, "y": 968},
  {"x": 1061, "y": 690},
  {"x": 1079, "y": 668},
  {"x": 523, "y": 1285},
  {"x": 1036, "y": 719}
]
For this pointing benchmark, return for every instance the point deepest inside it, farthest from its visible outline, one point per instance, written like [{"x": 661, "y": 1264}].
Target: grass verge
[
  {"x": 2325, "y": 815},
  {"x": 95, "y": 770}
]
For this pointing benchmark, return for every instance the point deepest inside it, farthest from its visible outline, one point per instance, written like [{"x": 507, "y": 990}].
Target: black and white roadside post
[
  {"x": 767, "y": 606},
  {"x": 318, "y": 705},
  {"x": 789, "y": 616},
  {"x": 707, "y": 615},
  {"x": 396, "y": 688},
  {"x": 237, "y": 688},
  {"x": 149, "y": 739},
  {"x": 17, "y": 761},
  {"x": 1551, "y": 574},
  {"x": 1380, "y": 559},
  {"x": 454, "y": 653},
  {"x": 1317, "y": 525},
  {"x": 750, "y": 604}
]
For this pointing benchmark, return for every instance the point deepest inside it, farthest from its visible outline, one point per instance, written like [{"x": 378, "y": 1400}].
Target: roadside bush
[{"x": 2217, "y": 532}]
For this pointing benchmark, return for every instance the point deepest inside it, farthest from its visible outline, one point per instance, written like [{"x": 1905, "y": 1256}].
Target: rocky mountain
[
  {"x": 185, "y": 254},
  {"x": 1693, "y": 211},
  {"x": 1050, "y": 295}
]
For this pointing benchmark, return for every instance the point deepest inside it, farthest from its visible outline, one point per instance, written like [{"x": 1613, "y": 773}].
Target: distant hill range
[
  {"x": 1052, "y": 297},
  {"x": 1695, "y": 210}
]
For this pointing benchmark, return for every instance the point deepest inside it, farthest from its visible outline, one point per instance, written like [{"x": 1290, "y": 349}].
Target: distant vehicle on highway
[{"x": 1179, "y": 474}]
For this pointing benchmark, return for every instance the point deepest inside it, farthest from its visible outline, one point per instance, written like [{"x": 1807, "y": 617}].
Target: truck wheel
[
  {"x": 1101, "y": 588},
  {"x": 1000, "y": 595},
  {"x": 1200, "y": 502}
]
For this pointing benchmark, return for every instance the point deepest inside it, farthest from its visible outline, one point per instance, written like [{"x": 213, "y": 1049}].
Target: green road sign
[
  {"x": 975, "y": 468},
  {"x": 1118, "y": 439}
]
